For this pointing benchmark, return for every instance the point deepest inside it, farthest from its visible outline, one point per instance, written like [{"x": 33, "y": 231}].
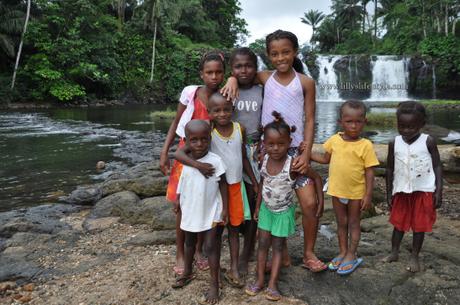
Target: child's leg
[
  {"x": 265, "y": 241},
  {"x": 200, "y": 258},
  {"x": 210, "y": 239},
  {"x": 308, "y": 203},
  {"x": 354, "y": 228},
  {"x": 277, "y": 253},
  {"x": 249, "y": 234},
  {"x": 417, "y": 242},
  {"x": 396, "y": 239},
  {"x": 180, "y": 239},
  {"x": 341, "y": 217},
  {"x": 190, "y": 245},
  {"x": 234, "y": 243}
]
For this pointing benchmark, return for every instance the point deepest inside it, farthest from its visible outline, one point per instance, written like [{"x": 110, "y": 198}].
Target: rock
[
  {"x": 114, "y": 205},
  {"x": 28, "y": 287},
  {"x": 154, "y": 238},
  {"x": 145, "y": 186},
  {"x": 4, "y": 286},
  {"x": 100, "y": 165},
  {"x": 155, "y": 211},
  {"x": 99, "y": 224},
  {"x": 87, "y": 195}
]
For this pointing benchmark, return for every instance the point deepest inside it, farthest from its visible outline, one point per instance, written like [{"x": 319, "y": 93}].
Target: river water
[{"x": 47, "y": 153}]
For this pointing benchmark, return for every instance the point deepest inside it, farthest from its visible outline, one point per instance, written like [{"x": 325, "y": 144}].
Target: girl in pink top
[{"x": 291, "y": 93}]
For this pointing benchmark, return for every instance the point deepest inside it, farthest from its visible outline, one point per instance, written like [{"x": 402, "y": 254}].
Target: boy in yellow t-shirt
[{"x": 351, "y": 180}]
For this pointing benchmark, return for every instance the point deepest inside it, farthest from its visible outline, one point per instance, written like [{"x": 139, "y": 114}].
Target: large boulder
[
  {"x": 114, "y": 205},
  {"x": 145, "y": 186},
  {"x": 85, "y": 195}
]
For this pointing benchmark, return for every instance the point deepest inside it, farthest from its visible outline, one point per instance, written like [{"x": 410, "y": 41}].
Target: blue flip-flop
[
  {"x": 354, "y": 264},
  {"x": 335, "y": 263}
]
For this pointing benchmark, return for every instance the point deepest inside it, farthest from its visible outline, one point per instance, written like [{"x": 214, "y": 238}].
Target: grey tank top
[{"x": 248, "y": 110}]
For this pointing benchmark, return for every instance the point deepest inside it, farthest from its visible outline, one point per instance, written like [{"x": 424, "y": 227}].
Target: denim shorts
[{"x": 302, "y": 180}]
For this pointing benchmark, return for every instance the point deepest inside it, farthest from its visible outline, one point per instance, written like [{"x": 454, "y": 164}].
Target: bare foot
[
  {"x": 243, "y": 267},
  {"x": 393, "y": 257},
  {"x": 210, "y": 297},
  {"x": 414, "y": 264}
]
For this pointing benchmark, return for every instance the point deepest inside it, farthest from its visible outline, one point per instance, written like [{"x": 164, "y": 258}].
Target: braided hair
[
  {"x": 214, "y": 55},
  {"x": 280, "y": 34},
  {"x": 279, "y": 124}
]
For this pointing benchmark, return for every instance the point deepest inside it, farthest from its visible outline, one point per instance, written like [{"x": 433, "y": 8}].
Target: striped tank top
[{"x": 287, "y": 100}]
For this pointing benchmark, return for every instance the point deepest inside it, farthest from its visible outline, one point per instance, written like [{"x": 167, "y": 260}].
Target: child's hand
[
  {"x": 437, "y": 200},
  {"x": 206, "y": 169},
  {"x": 366, "y": 203},
  {"x": 176, "y": 207},
  {"x": 300, "y": 165},
  {"x": 224, "y": 218},
  {"x": 164, "y": 163},
  {"x": 230, "y": 89},
  {"x": 302, "y": 146},
  {"x": 256, "y": 214},
  {"x": 320, "y": 210}
]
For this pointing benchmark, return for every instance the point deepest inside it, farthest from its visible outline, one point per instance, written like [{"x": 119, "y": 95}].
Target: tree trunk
[
  {"x": 375, "y": 19},
  {"x": 446, "y": 21},
  {"x": 18, "y": 56},
  {"x": 121, "y": 4},
  {"x": 423, "y": 18},
  {"x": 152, "y": 69},
  {"x": 454, "y": 22}
]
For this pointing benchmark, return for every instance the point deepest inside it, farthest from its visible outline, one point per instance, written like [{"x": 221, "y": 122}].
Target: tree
[
  {"x": 313, "y": 18},
  {"x": 11, "y": 23},
  {"x": 18, "y": 55}
]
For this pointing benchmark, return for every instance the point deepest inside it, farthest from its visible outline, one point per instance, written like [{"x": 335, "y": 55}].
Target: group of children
[{"x": 240, "y": 161}]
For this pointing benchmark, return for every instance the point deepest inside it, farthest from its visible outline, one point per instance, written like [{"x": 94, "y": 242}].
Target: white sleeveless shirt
[
  {"x": 413, "y": 166},
  {"x": 229, "y": 149}
]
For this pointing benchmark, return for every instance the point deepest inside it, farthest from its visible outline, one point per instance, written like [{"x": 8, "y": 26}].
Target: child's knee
[
  {"x": 264, "y": 243},
  {"x": 278, "y": 245}
]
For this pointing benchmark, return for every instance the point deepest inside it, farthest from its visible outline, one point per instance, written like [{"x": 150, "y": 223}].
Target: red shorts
[{"x": 413, "y": 211}]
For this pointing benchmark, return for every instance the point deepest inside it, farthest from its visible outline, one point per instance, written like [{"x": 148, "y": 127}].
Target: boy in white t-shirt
[{"x": 203, "y": 202}]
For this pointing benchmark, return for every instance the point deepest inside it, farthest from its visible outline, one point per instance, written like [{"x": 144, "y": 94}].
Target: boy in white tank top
[{"x": 414, "y": 181}]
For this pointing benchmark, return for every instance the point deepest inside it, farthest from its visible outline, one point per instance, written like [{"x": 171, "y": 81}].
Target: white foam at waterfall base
[
  {"x": 327, "y": 87},
  {"x": 390, "y": 76}
]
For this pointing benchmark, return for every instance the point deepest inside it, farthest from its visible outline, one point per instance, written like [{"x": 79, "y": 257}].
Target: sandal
[
  {"x": 183, "y": 281},
  {"x": 335, "y": 263},
  {"x": 272, "y": 294},
  {"x": 252, "y": 289},
  {"x": 314, "y": 265},
  {"x": 233, "y": 281},
  {"x": 202, "y": 264}
]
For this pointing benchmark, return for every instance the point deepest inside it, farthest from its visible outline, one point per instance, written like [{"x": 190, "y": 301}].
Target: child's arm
[
  {"x": 259, "y": 200},
  {"x": 246, "y": 165},
  {"x": 231, "y": 89},
  {"x": 390, "y": 171},
  {"x": 366, "y": 202},
  {"x": 301, "y": 163},
  {"x": 164, "y": 159},
  {"x": 319, "y": 190},
  {"x": 437, "y": 167},
  {"x": 323, "y": 158},
  {"x": 223, "y": 187},
  {"x": 182, "y": 156}
]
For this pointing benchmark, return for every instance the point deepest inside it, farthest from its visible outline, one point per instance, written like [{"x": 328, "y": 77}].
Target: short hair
[
  {"x": 196, "y": 124},
  {"x": 411, "y": 107},
  {"x": 279, "y": 124},
  {"x": 354, "y": 104},
  {"x": 245, "y": 52},
  {"x": 214, "y": 55},
  {"x": 217, "y": 95}
]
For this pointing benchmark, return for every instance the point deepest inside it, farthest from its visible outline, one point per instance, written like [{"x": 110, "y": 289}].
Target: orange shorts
[
  {"x": 235, "y": 204},
  {"x": 174, "y": 176}
]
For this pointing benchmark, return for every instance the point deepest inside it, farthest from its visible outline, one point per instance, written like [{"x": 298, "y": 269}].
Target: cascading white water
[
  {"x": 390, "y": 75},
  {"x": 304, "y": 66},
  {"x": 327, "y": 87},
  {"x": 433, "y": 80},
  {"x": 260, "y": 64}
]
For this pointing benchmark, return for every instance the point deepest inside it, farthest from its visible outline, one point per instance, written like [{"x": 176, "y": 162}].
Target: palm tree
[
  {"x": 18, "y": 56},
  {"x": 313, "y": 19},
  {"x": 11, "y": 22},
  {"x": 348, "y": 12}
]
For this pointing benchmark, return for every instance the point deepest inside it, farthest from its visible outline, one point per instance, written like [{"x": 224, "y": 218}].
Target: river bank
[{"x": 115, "y": 247}]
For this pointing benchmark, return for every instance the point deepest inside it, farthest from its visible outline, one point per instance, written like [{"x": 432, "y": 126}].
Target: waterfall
[
  {"x": 327, "y": 87},
  {"x": 433, "y": 78},
  {"x": 304, "y": 66},
  {"x": 261, "y": 66},
  {"x": 390, "y": 76}
]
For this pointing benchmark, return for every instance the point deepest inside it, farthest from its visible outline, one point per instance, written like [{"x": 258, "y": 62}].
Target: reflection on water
[{"x": 47, "y": 153}]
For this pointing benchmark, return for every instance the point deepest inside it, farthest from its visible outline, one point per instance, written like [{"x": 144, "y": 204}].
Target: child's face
[
  {"x": 244, "y": 69},
  {"x": 220, "y": 111},
  {"x": 198, "y": 142},
  {"x": 352, "y": 122},
  {"x": 212, "y": 74},
  {"x": 409, "y": 126},
  {"x": 276, "y": 143},
  {"x": 282, "y": 53}
]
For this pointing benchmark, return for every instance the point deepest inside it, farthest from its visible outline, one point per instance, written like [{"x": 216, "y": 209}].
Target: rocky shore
[{"x": 112, "y": 243}]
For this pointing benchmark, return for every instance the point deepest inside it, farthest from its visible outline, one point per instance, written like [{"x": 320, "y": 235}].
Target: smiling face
[
  {"x": 352, "y": 122},
  {"x": 282, "y": 53},
  {"x": 212, "y": 74},
  {"x": 409, "y": 126},
  {"x": 244, "y": 69},
  {"x": 198, "y": 137},
  {"x": 220, "y": 110},
  {"x": 277, "y": 143}
]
